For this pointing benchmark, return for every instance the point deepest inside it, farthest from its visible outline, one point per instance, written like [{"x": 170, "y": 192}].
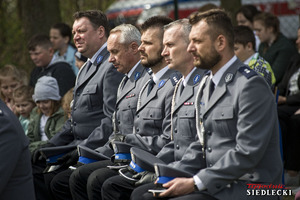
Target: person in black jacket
[
  {"x": 41, "y": 53},
  {"x": 289, "y": 117}
]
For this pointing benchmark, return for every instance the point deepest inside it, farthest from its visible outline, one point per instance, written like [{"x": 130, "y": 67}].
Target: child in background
[
  {"x": 22, "y": 99},
  {"x": 10, "y": 79},
  {"x": 48, "y": 117},
  {"x": 67, "y": 103}
]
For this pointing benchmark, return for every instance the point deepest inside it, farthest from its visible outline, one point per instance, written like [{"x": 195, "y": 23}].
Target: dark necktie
[
  {"x": 88, "y": 66},
  {"x": 211, "y": 88},
  {"x": 125, "y": 79},
  {"x": 181, "y": 88},
  {"x": 150, "y": 86}
]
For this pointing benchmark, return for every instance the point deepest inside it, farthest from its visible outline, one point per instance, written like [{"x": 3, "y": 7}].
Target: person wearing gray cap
[{"x": 48, "y": 117}]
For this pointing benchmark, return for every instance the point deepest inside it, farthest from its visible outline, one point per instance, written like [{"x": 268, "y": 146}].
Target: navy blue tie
[
  {"x": 150, "y": 86},
  {"x": 211, "y": 88}
]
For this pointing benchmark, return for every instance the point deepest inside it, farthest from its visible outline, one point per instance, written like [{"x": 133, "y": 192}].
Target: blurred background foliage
[{"x": 20, "y": 19}]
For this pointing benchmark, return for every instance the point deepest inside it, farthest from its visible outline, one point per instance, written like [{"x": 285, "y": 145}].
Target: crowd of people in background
[{"x": 217, "y": 101}]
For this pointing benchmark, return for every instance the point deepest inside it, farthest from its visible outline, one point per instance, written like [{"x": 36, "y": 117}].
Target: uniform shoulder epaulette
[
  {"x": 175, "y": 77},
  {"x": 247, "y": 72},
  {"x": 149, "y": 71}
]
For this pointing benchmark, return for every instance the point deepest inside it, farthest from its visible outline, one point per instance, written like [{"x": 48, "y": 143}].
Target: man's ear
[
  {"x": 249, "y": 46},
  {"x": 101, "y": 31},
  {"x": 134, "y": 47},
  {"x": 220, "y": 43}
]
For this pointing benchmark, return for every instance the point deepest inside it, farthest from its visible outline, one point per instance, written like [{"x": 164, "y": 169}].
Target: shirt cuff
[{"x": 199, "y": 183}]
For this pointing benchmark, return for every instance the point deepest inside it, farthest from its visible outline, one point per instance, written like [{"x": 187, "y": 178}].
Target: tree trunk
[
  {"x": 38, "y": 16},
  {"x": 231, "y": 6}
]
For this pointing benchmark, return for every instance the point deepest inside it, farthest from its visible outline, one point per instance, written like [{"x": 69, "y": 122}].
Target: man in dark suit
[
  {"x": 95, "y": 91},
  {"x": 183, "y": 130},
  {"x": 237, "y": 124},
  {"x": 15, "y": 170},
  {"x": 152, "y": 120},
  {"x": 122, "y": 44}
]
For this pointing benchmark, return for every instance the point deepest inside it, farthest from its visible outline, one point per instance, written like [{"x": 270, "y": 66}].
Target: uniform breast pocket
[
  {"x": 222, "y": 119},
  {"x": 126, "y": 113},
  {"x": 186, "y": 123},
  {"x": 89, "y": 93},
  {"x": 154, "y": 117}
]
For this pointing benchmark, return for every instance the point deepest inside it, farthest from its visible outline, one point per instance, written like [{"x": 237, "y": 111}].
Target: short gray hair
[
  {"x": 185, "y": 27},
  {"x": 129, "y": 33}
]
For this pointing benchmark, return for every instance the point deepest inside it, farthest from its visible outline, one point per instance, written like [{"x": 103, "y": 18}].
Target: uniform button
[
  {"x": 251, "y": 176},
  {"x": 222, "y": 114},
  {"x": 78, "y": 94},
  {"x": 218, "y": 186},
  {"x": 138, "y": 116},
  {"x": 210, "y": 165},
  {"x": 87, "y": 90},
  {"x": 150, "y": 115},
  {"x": 208, "y": 133},
  {"x": 177, "y": 146},
  {"x": 74, "y": 123},
  {"x": 175, "y": 130},
  {"x": 74, "y": 108},
  {"x": 137, "y": 129},
  {"x": 128, "y": 106},
  {"x": 209, "y": 149},
  {"x": 119, "y": 122}
]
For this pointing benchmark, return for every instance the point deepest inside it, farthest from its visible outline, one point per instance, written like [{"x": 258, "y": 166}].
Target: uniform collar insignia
[
  {"x": 196, "y": 78},
  {"x": 228, "y": 77},
  {"x": 161, "y": 83},
  {"x": 137, "y": 75}
]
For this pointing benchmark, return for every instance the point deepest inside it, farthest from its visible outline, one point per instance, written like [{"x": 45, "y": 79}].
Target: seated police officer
[
  {"x": 237, "y": 124},
  {"x": 183, "y": 130}
]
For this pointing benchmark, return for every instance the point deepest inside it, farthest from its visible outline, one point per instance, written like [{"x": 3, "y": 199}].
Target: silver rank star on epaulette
[
  {"x": 175, "y": 79},
  {"x": 129, "y": 96},
  {"x": 188, "y": 103}
]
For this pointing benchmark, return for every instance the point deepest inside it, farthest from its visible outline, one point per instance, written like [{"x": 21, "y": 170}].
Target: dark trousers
[
  {"x": 41, "y": 192},
  {"x": 142, "y": 193},
  {"x": 60, "y": 185},
  {"x": 292, "y": 161},
  {"x": 117, "y": 187},
  {"x": 285, "y": 113},
  {"x": 86, "y": 181}
]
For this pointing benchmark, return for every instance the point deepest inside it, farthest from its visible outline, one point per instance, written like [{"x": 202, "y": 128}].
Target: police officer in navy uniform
[
  {"x": 16, "y": 176},
  {"x": 95, "y": 92},
  {"x": 237, "y": 124},
  {"x": 122, "y": 44},
  {"x": 152, "y": 121},
  {"x": 183, "y": 132}
]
